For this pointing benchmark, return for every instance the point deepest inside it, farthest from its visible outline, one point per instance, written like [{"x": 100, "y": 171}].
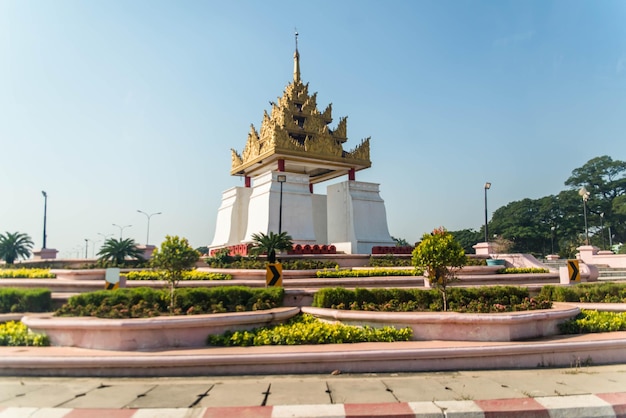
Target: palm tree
[
  {"x": 118, "y": 250},
  {"x": 271, "y": 243},
  {"x": 14, "y": 245}
]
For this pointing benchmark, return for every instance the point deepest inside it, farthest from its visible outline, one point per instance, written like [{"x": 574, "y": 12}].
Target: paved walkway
[{"x": 596, "y": 391}]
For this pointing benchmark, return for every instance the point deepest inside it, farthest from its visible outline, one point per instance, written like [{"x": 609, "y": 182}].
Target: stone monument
[{"x": 295, "y": 149}]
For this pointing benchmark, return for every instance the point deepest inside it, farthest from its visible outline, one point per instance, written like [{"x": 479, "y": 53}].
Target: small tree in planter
[
  {"x": 439, "y": 255},
  {"x": 270, "y": 244},
  {"x": 174, "y": 257},
  {"x": 501, "y": 245}
]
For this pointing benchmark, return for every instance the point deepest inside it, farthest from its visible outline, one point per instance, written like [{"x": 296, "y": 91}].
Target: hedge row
[
  {"x": 25, "y": 300},
  {"x": 586, "y": 292},
  {"x": 380, "y": 272},
  {"x": 24, "y": 273},
  {"x": 147, "y": 302},
  {"x": 187, "y": 275},
  {"x": 480, "y": 299}
]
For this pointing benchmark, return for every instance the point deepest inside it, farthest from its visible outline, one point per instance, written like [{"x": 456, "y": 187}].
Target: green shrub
[
  {"x": 336, "y": 273},
  {"x": 24, "y": 273},
  {"x": 389, "y": 260},
  {"x": 586, "y": 292},
  {"x": 522, "y": 270},
  {"x": 14, "y": 333},
  {"x": 593, "y": 321},
  {"x": 240, "y": 262},
  {"x": 25, "y": 300},
  {"x": 147, "y": 302},
  {"x": 188, "y": 275},
  {"x": 305, "y": 329},
  {"x": 486, "y": 299}
]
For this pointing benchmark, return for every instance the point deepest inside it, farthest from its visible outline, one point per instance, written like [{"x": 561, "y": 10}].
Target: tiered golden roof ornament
[{"x": 297, "y": 133}]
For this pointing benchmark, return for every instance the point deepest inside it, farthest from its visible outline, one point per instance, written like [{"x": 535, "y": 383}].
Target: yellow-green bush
[
  {"x": 594, "y": 321},
  {"x": 187, "y": 275},
  {"x": 305, "y": 329},
  {"x": 365, "y": 273},
  {"x": 24, "y": 273},
  {"x": 14, "y": 333}
]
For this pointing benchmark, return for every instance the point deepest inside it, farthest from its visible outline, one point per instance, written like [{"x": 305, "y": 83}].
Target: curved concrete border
[
  {"x": 413, "y": 356},
  {"x": 149, "y": 333},
  {"x": 453, "y": 326}
]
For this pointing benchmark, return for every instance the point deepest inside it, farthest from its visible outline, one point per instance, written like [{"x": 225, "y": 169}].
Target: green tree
[
  {"x": 605, "y": 180},
  {"x": 270, "y": 244},
  {"x": 400, "y": 242},
  {"x": 174, "y": 257},
  {"x": 439, "y": 255},
  {"x": 14, "y": 245},
  {"x": 116, "y": 251},
  {"x": 468, "y": 238}
]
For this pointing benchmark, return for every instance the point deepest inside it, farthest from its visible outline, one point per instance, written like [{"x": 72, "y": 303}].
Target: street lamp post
[
  {"x": 86, "y": 247},
  {"x": 281, "y": 178},
  {"x": 148, "y": 216},
  {"x": 552, "y": 237},
  {"x": 602, "y": 228},
  {"x": 487, "y": 187},
  {"x": 122, "y": 228},
  {"x": 585, "y": 195},
  {"x": 45, "y": 212}
]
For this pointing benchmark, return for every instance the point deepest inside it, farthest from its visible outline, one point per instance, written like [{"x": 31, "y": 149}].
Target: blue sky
[{"x": 117, "y": 106}]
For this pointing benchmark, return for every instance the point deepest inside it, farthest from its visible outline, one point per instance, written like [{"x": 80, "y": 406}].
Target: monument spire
[{"x": 296, "y": 61}]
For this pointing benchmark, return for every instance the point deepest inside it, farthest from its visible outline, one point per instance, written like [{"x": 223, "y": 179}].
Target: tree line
[{"x": 556, "y": 223}]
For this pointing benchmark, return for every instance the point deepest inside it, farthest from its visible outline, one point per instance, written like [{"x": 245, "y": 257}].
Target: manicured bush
[
  {"x": 586, "y": 292},
  {"x": 14, "y": 333},
  {"x": 188, "y": 275},
  {"x": 522, "y": 270},
  {"x": 336, "y": 273},
  {"x": 389, "y": 260},
  {"x": 478, "y": 300},
  {"x": 24, "y": 273},
  {"x": 239, "y": 262},
  {"x": 593, "y": 321},
  {"x": 25, "y": 300},
  {"x": 305, "y": 329},
  {"x": 147, "y": 302}
]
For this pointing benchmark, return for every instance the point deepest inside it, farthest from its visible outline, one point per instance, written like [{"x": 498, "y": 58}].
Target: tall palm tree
[
  {"x": 271, "y": 243},
  {"x": 118, "y": 250},
  {"x": 14, "y": 245}
]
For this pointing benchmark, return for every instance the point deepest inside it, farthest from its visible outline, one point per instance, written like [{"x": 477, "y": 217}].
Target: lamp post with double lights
[
  {"x": 45, "y": 212},
  {"x": 122, "y": 228},
  {"x": 148, "y": 216},
  {"x": 281, "y": 178},
  {"x": 487, "y": 187},
  {"x": 585, "y": 195}
]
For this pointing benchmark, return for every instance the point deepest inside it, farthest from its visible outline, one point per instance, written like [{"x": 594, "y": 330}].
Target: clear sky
[{"x": 114, "y": 106}]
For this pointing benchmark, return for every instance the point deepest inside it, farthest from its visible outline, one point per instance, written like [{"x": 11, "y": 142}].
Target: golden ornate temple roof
[{"x": 298, "y": 133}]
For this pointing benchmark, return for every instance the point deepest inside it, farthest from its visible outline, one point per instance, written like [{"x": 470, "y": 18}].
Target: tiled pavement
[{"x": 598, "y": 391}]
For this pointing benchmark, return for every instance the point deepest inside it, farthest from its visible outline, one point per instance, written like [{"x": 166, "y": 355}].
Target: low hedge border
[
  {"x": 586, "y": 293},
  {"x": 25, "y": 300},
  {"x": 187, "y": 275},
  {"x": 486, "y": 299},
  {"x": 24, "y": 273},
  {"x": 146, "y": 302}
]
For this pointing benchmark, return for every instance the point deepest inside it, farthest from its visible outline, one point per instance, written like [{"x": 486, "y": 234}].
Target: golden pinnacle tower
[{"x": 299, "y": 136}]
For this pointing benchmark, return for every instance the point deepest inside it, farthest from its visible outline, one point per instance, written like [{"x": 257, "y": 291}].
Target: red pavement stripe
[
  {"x": 617, "y": 401},
  {"x": 377, "y": 410},
  {"x": 238, "y": 412},
  {"x": 515, "y": 408},
  {"x": 98, "y": 413}
]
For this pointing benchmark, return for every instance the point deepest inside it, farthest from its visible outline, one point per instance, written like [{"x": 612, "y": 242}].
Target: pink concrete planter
[
  {"x": 149, "y": 333},
  {"x": 452, "y": 326}
]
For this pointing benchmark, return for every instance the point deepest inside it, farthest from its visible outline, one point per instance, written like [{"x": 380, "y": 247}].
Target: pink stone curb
[{"x": 600, "y": 405}]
